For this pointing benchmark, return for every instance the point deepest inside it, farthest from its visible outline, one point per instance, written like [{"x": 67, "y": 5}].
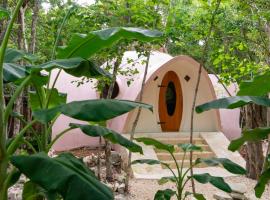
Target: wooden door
[{"x": 170, "y": 102}]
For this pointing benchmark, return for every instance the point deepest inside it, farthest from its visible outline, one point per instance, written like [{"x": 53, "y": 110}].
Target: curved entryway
[{"x": 170, "y": 102}]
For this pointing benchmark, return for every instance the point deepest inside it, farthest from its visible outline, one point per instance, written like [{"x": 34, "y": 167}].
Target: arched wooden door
[{"x": 170, "y": 103}]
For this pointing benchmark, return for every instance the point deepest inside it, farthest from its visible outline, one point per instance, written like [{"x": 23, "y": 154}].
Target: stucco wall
[
  {"x": 160, "y": 63},
  {"x": 74, "y": 138},
  {"x": 229, "y": 118},
  {"x": 182, "y": 65}
]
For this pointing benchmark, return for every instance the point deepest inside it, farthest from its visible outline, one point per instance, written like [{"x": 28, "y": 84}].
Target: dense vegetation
[{"x": 228, "y": 38}]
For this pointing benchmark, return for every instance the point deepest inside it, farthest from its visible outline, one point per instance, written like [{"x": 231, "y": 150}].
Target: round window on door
[{"x": 171, "y": 98}]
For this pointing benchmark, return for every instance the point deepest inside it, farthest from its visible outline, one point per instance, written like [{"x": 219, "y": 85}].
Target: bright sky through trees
[{"x": 47, "y": 6}]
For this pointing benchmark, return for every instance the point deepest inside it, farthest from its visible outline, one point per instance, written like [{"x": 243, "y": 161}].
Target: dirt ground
[{"x": 145, "y": 189}]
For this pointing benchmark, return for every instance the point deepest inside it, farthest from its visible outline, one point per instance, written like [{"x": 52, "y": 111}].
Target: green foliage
[
  {"x": 56, "y": 99},
  {"x": 167, "y": 179},
  {"x": 15, "y": 175},
  {"x": 156, "y": 144},
  {"x": 233, "y": 102},
  {"x": 4, "y": 13},
  {"x": 146, "y": 161},
  {"x": 199, "y": 196},
  {"x": 262, "y": 182},
  {"x": 166, "y": 194},
  {"x": 32, "y": 191},
  {"x": 187, "y": 147},
  {"x": 75, "y": 66},
  {"x": 114, "y": 137},
  {"x": 196, "y": 195},
  {"x": 252, "y": 135},
  {"x": 259, "y": 86},
  {"x": 218, "y": 182},
  {"x": 67, "y": 176},
  {"x": 79, "y": 43},
  {"x": 101, "y": 110},
  {"x": 238, "y": 45},
  {"x": 14, "y": 55},
  {"x": 63, "y": 175},
  {"x": 226, "y": 163},
  {"x": 179, "y": 178},
  {"x": 13, "y": 72}
]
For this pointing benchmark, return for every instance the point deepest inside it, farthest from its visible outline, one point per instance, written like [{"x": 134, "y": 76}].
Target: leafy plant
[
  {"x": 257, "y": 86},
  {"x": 181, "y": 177},
  {"x": 66, "y": 173}
]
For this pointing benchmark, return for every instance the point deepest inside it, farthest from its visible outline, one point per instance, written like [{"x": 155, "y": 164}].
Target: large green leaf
[
  {"x": 63, "y": 174},
  {"x": 262, "y": 182},
  {"x": 75, "y": 66},
  {"x": 13, "y": 72},
  {"x": 14, "y": 177},
  {"x": 166, "y": 194},
  {"x": 38, "y": 79},
  {"x": 32, "y": 191},
  {"x": 218, "y": 182},
  {"x": 187, "y": 147},
  {"x": 56, "y": 99},
  {"x": 199, "y": 196},
  {"x": 114, "y": 137},
  {"x": 195, "y": 195},
  {"x": 226, "y": 163},
  {"x": 259, "y": 86},
  {"x": 233, "y": 102},
  {"x": 157, "y": 144},
  {"x": 149, "y": 162},
  {"x": 90, "y": 110},
  {"x": 252, "y": 135},
  {"x": 82, "y": 45},
  {"x": 14, "y": 55},
  {"x": 166, "y": 179}
]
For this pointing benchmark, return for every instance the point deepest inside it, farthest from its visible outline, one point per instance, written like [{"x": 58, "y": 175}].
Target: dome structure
[{"x": 169, "y": 88}]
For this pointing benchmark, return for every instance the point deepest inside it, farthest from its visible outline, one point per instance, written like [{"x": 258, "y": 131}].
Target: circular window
[{"x": 170, "y": 98}]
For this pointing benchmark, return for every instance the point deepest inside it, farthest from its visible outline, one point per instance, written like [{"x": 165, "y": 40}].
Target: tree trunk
[
  {"x": 254, "y": 116},
  {"x": 32, "y": 45},
  {"x": 108, "y": 146},
  {"x": 32, "y": 49},
  {"x": 23, "y": 46},
  {"x": 134, "y": 125}
]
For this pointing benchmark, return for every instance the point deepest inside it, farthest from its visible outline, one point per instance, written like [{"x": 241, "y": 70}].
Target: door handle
[
  {"x": 161, "y": 122},
  {"x": 162, "y": 86}
]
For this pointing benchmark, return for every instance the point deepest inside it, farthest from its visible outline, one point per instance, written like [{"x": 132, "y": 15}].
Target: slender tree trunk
[
  {"x": 32, "y": 49},
  {"x": 202, "y": 63},
  {"x": 32, "y": 45},
  {"x": 108, "y": 145},
  {"x": 21, "y": 41},
  {"x": 134, "y": 125},
  {"x": 254, "y": 116}
]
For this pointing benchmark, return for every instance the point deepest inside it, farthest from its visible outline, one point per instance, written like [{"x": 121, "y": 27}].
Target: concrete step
[
  {"x": 204, "y": 147},
  {"x": 166, "y": 156},
  {"x": 180, "y": 140}
]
